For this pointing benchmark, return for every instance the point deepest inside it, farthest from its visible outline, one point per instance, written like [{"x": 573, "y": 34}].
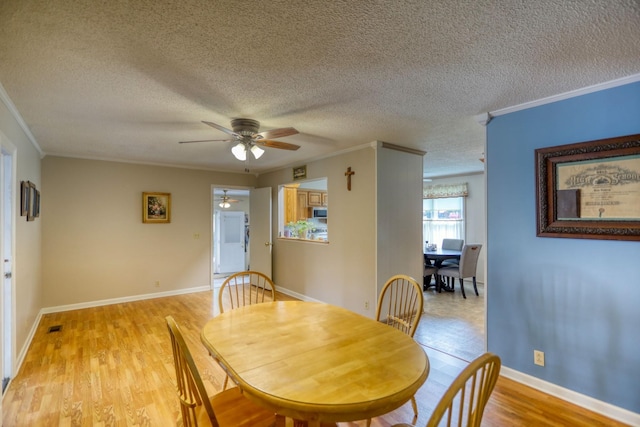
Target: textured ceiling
[{"x": 127, "y": 80}]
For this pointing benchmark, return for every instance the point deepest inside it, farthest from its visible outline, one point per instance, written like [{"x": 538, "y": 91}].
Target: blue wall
[{"x": 578, "y": 300}]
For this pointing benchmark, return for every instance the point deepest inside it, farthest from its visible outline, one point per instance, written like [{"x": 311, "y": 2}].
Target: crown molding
[
  {"x": 4, "y": 96},
  {"x": 485, "y": 118}
]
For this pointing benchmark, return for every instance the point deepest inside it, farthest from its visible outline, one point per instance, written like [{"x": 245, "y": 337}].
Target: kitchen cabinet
[
  {"x": 325, "y": 199},
  {"x": 315, "y": 198},
  {"x": 290, "y": 203},
  {"x": 302, "y": 210}
]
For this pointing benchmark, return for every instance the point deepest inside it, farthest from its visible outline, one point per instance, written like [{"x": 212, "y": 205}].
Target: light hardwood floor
[
  {"x": 112, "y": 366},
  {"x": 452, "y": 324}
]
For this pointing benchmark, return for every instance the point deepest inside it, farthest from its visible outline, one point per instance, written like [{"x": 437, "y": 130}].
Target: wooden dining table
[{"x": 316, "y": 362}]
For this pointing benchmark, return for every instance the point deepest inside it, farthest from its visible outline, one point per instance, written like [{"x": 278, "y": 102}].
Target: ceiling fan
[
  {"x": 245, "y": 133},
  {"x": 225, "y": 201}
]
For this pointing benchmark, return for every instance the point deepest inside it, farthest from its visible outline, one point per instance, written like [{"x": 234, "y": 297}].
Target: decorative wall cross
[{"x": 348, "y": 174}]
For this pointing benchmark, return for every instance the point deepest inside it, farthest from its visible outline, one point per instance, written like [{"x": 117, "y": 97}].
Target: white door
[
  {"x": 232, "y": 242},
  {"x": 260, "y": 219},
  {"x": 7, "y": 186}
]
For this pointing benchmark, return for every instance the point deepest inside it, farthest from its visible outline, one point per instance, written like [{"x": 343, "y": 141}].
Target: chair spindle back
[{"x": 401, "y": 303}]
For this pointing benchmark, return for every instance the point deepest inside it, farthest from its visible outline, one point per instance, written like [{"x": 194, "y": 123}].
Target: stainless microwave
[{"x": 319, "y": 212}]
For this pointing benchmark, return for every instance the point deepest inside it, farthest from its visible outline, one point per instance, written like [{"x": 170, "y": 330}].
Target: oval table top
[{"x": 316, "y": 362}]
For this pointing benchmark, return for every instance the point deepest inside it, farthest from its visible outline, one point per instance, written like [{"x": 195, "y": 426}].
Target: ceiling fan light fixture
[
  {"x": 257, "y": 151},
  {"x": 239, "y": 151},
  {"x": 224, "y": 204}
]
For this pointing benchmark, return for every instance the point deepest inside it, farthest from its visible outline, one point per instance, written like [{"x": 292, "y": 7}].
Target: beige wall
[
  {"x": 399, "y": 215},
  {"x": 94, "y": 244},
  {"x": 359, "y": 258},
  {"x": 341, "y": 272},
  {"x": 27, "y": 256}
]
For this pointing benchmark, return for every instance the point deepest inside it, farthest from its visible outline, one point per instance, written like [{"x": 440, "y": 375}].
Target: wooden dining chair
[
  {"x": 227, "y": 408},
  {"x": 464, "y": 401},
  {"x": 466, "y": 268},
  {"x": 245, "y": 288},
  {"x": 400, "y": 305}
]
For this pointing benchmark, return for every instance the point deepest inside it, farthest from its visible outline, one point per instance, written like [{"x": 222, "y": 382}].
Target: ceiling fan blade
[
  {"x": 207, "y": 140},
  {"x": 277, "y": 144},
  {"x": 222, "y": 128},
  {"x": 277, "y": 133}
]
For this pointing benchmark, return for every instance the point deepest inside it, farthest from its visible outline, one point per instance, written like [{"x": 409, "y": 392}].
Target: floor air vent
[{"x": 56, "y": 328}]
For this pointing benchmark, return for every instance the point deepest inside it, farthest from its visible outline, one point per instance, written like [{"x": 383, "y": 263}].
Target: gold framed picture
[{"x": 156, "y": 208}]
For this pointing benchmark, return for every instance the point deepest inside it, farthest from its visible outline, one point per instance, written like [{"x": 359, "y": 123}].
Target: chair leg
[
  {"x": 226, "y": 380},
  {"x": 426, "y": 283},
  {"x": 415, "y": 409},
  {"x": 462, "y": 287},
  {"x": 475, "y": 287},
  {"x": 368, "y": 422}
]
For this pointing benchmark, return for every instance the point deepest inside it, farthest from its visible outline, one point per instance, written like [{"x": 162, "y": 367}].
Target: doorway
[
  {"x": 230, "y": 230},
  {"x": 250, "y": 227}
]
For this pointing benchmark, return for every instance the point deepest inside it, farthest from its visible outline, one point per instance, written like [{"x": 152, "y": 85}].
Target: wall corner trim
[
  {"x": 402, "y": 148},
  {"x": 483, "y": 119}
]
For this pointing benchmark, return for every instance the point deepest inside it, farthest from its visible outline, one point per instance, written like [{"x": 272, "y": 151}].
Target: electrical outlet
[
  {"x": 538, "y": 357},
  {"x": 366, "y": 305},
  {"x": 157, "y": 283}
]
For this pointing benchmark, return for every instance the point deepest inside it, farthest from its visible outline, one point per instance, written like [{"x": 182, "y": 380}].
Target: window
[
  {"x": 304, "y": 210},
  {"x": 442, "y": 218}
]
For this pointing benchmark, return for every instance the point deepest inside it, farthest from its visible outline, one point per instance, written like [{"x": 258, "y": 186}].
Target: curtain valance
[{"x": 441, "y": 191}]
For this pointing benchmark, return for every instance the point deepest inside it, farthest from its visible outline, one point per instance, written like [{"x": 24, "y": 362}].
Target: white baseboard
[
  {"x": 584, "y": 401},
  {"x": 60, "y": 308},
  {"x": 296, "y": 295},
  {"x": 99, "y": 303}
]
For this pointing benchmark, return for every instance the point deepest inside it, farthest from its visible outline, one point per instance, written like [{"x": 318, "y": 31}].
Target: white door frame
[
  {"x": 8, "y": 206},
  {"x": 211, "y": 234}
]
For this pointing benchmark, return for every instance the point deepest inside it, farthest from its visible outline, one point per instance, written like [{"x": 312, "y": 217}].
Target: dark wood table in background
[{"x": 436, "y": 258}]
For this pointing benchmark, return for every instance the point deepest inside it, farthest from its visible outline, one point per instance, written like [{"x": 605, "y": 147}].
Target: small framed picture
[
  {"x": 31, "y": 202},
  {"x": 300, "y": 172},
  {"x": 35, "y": 208},
  {"x": 25, "y": 198},
  {"x": 156, "y": 207}
]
